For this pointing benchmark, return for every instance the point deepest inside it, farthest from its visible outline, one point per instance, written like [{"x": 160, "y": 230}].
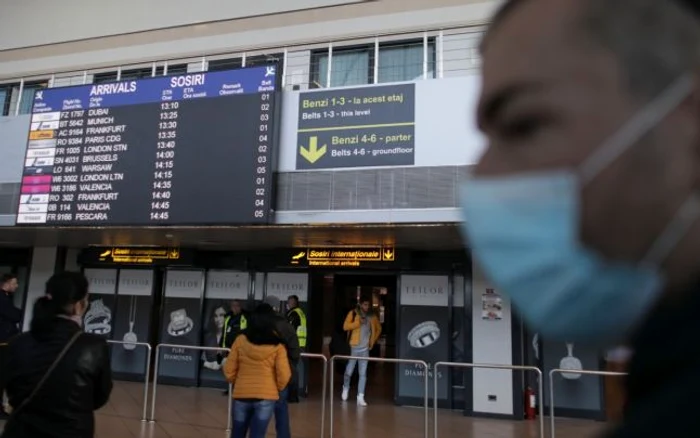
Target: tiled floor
[{"x": 186, "y": 413}]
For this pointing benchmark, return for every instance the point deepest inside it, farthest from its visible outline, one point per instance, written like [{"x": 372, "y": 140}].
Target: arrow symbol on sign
[{"x": 313, "y": 153}]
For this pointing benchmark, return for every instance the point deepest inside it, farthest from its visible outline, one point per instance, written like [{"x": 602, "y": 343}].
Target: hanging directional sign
[
  {"x": 344, "y": 257},
  {"x": 357, "y": 127}
]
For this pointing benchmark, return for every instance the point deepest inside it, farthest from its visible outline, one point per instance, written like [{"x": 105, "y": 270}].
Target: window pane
[
  {"x": 139, "y": 73},
  {"x": 4, "y": 102},
  {"x": 348, "y": 68},
  {"x": 25, "y": 106},
  {"x": 404, "y": 63}
]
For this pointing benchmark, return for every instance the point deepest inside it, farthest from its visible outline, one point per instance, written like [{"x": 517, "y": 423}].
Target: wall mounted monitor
[{"x": 193, "y": 149}]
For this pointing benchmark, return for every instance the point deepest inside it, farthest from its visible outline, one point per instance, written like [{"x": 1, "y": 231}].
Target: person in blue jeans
[
  {"x": 363, "y": 329},
  {"x": 282, "y": 426},
  {"x": 259, "y": 370},
  {"x": 254, "y": 417}
]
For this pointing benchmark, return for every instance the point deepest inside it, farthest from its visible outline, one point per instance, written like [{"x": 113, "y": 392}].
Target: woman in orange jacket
[
  {"x": 258, "y": 369},
  {"x": 363, "y": 329}
]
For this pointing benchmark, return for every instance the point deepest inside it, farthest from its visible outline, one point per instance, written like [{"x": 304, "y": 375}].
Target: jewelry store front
[{"x": 178, "y": 296}]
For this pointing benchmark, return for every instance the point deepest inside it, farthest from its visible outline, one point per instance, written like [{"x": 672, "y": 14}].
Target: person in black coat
[
  {"x": 288, "y": 336},
  {"x": 10, "y": 316},
  {"x": 81, "y": 382}
]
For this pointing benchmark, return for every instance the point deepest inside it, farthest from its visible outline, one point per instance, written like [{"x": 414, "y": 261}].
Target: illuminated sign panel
[
  {"x": 343, "y": 257},
  {"x": 132, "y": 255}
]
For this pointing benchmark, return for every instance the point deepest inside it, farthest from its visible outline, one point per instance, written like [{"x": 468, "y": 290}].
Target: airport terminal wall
[{"x": 374, "y": 154}]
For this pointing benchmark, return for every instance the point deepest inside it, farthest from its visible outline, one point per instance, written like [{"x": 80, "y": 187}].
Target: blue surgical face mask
[{"x": 524, "y": 229}]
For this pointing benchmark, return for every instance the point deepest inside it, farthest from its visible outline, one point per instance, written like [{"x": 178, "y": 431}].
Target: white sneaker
[
  {"x": 344, "y": 395},
  {"x": 361, "y": 400}
]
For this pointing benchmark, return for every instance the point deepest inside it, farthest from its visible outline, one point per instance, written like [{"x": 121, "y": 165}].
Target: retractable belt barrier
[
  {"x": 324, "y": 359},
  {"x": 551, "y": 388},
  {"x": 147, "y": 374},
  {"x": 488, "y": 367},
  {"x": 385, "y": 360},
  {"x": 155, "y": 378}
]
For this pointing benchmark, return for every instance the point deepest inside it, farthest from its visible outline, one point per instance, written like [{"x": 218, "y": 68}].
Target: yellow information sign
[
  {"x": 138, "y": 255},
  {"x": 349, "y": 257},
  {"x": 313, "y": 153}
]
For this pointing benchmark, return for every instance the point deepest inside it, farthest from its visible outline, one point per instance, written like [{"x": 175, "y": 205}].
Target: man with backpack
[{"x": 363, "y": 328}]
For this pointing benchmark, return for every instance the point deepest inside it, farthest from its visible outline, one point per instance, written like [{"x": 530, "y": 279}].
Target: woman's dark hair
[
  {"x": 7, "y": 277},
  {"x": 211, "y": 326},
  {"x": 261, "y": 326},
  {"x": 62, "y": 290}
]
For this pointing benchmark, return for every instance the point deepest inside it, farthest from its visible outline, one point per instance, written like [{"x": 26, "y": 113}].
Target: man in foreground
[{"x": 585, "y": 210}]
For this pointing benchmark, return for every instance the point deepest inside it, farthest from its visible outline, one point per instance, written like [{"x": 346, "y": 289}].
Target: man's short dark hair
[
  {"x": 264, "y": 308},
  {"x": 7, "y": 277},
  {"x": 294, "y": 297},
  {"x": 655, "y": 41},
  {"x": 365, "y": 298}
]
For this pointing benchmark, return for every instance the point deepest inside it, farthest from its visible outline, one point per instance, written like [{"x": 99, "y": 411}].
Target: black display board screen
[{"x": 192, "y": 149}]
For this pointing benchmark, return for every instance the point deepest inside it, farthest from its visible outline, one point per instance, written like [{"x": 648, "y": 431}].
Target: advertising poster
[
  {"x": 98, "y": 318},
  {"x": 181, "y": 325},
  {"x": 222, "y": 287},
  {"x": 491, "y": 305},
  {"x": 423, "y": 335},
  {"x": 132, "y": 324}
]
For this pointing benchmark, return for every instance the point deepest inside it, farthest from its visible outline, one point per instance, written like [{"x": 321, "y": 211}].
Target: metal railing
[
  {"x": 430, "y": 54},
  {"x": 441, "y": 40},
  {"x": 157, "y": 370},
  {"x": 147, "y": 374},
  {"x": 384, "y": 360},
  {"x": 551, "y": 388},
  {"x": 323, "y": 387},
  {"x": 487, "y": 366}
]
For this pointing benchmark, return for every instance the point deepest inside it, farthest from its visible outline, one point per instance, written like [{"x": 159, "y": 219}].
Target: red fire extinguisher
[{"x": 530, "y": 404}]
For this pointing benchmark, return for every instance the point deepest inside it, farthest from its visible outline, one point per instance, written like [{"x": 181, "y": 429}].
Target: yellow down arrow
[{"x": 313, "y": 153}]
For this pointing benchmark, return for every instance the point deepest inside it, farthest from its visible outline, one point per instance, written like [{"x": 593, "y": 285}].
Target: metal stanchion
[
  {"x": 551, "y": 388},
  {"x": 385, "y": 360},
  {"x": 490, "y": 367},
  {"x": 148, "y": 372},
  {"x": 157, "y": 367},
  {"x": 323, "y": 387}
]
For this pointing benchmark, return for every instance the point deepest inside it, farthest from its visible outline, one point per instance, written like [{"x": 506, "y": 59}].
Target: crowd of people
[{"x": 55, "y": 376}]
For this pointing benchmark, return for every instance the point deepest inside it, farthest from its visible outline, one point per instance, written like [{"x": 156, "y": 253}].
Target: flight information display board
[{"x": 192, "y": 149}]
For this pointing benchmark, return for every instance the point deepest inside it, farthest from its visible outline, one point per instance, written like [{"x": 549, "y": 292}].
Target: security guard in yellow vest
[
  {"x": 235, "y": 323},
  {"x": 297, "y": 319}
]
